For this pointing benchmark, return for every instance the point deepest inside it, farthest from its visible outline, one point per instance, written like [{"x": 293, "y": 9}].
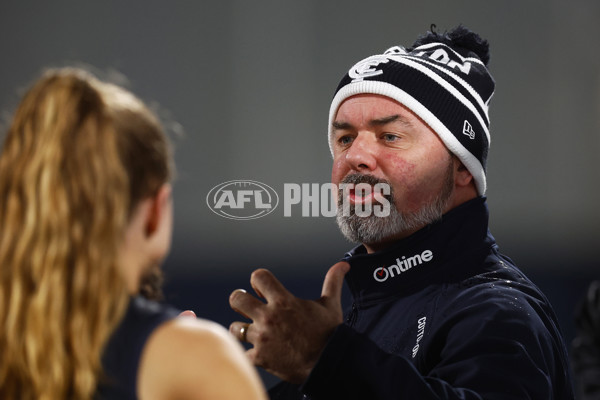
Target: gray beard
[{"x": 373, "y": 229}]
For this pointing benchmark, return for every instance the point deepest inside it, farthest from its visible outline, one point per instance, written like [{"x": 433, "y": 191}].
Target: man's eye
[
  {"x": 345, "y": 140},
  {"x": 388, "y": 137}
]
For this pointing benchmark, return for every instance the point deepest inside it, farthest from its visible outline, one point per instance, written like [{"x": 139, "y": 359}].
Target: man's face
[{"x": 376, "y": 139}]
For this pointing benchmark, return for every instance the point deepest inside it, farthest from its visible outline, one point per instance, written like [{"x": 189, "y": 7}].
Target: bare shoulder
[{"x": 189, "y": 358}]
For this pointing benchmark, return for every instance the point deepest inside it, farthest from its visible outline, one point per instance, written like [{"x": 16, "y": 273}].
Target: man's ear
[
  {"x": 462, "y": 176},
  {"x": 158, "y": 207}
]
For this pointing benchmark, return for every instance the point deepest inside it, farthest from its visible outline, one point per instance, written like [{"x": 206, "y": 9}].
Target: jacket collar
[{"x": 445, "y": 250}]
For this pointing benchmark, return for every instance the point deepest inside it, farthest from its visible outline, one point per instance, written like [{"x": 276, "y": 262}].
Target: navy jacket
[{"x": 441, "y": 315}]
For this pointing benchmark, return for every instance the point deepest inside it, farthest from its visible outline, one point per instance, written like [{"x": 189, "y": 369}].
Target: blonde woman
[{"x": 85, "y": 211}]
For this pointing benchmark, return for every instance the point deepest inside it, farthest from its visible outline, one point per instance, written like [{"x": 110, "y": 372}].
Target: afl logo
[
  {"x": 366, "y": 68},
  {"x": 242, "y": 199}
]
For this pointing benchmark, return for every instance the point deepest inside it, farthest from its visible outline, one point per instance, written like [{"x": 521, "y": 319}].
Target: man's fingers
[
  {"x": 251, "y": 354},
  {"x": 242, "y": 331},
  {"x": 244, "y": 303},
  {"x": 334, "y": 282},
  {"x": 266, "y": 285}
]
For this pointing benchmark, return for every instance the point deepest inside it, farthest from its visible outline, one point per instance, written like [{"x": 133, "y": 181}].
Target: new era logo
[{"x": 468, "y": 130}]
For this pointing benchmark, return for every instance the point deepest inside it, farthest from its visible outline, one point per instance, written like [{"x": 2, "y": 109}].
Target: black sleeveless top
[{"x": 122, "y": 355}]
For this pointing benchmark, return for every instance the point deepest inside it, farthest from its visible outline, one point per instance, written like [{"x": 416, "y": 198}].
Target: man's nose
[{"x": 361, "y": 156}]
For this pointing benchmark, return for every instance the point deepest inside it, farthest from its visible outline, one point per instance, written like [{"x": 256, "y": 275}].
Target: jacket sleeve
[{"x": 480, "y": 356}]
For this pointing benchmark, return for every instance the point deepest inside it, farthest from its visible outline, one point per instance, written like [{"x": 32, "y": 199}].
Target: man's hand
[{"x": 288, "y": 333}]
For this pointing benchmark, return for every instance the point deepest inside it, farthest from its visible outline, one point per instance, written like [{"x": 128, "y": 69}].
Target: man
[{"x": 438, "y": 312}]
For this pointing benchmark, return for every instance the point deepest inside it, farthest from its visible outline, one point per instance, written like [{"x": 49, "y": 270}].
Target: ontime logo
[{"x": 402, "y": 264}]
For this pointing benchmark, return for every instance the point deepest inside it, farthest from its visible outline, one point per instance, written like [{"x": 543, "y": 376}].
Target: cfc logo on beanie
[{"x": 366, "y": 68}]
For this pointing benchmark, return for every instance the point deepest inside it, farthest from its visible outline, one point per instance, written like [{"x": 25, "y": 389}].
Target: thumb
[{"x": 333, "y": 283}]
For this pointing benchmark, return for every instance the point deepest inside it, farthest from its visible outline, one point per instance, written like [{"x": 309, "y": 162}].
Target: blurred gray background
[{"x": 247, "y": 85}]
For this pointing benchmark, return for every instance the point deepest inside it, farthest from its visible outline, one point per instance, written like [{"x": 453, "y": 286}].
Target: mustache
[
  {"x": 356, "y": 178},
  {"x": 360, "y": 178}
]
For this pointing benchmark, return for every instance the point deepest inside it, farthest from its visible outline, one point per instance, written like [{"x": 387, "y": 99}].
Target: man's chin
[
  {"x": 375, "y": 231},
  {"x": 366, "y": 230}
]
